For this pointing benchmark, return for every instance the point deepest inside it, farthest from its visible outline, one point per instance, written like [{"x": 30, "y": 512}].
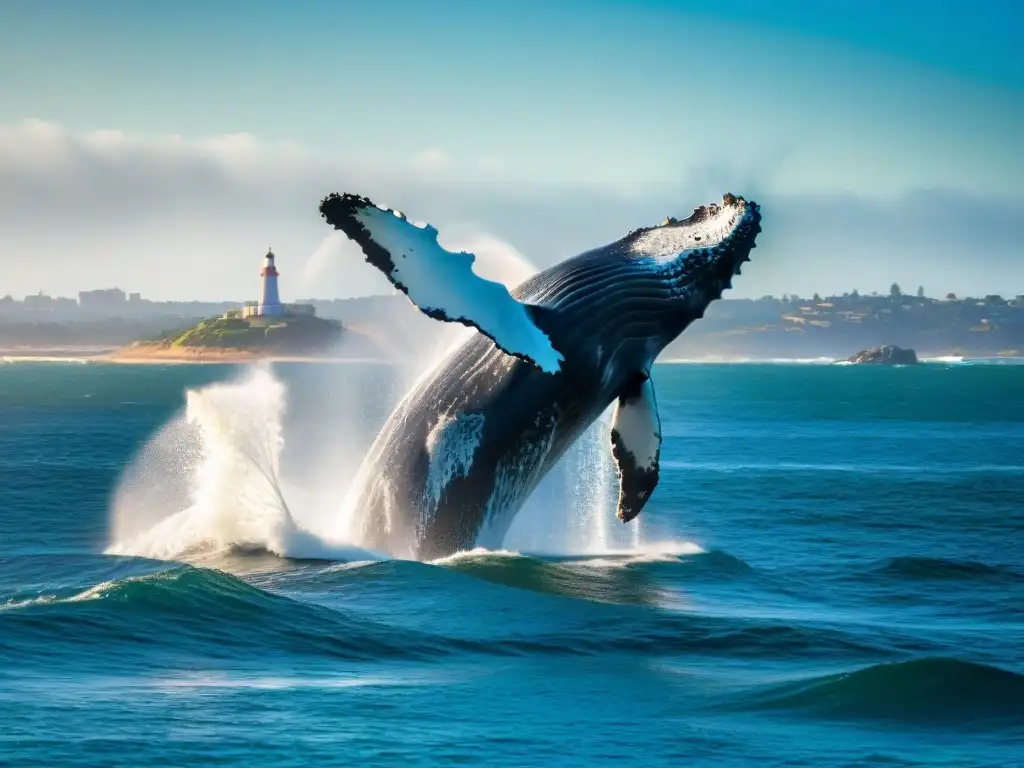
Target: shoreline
[
  {"x": 211, "y": 356},
  {"x": 144, "y": 352},
  {"x": 208, "y": 356},
  {"x": 235, "y": 360},
  {"x": 128, "y": 356}
]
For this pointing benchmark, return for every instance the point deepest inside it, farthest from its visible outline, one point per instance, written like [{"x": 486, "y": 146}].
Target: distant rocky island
[
  {"x": 887, "y": 354},
  {"x": 266, "y": 328}
]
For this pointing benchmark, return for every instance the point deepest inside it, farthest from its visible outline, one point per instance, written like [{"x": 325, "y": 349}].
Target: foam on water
[{"x": 15, "y": 359}]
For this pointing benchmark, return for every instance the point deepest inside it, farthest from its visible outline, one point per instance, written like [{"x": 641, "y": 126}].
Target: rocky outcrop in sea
[{"x": 887, "y": 354}]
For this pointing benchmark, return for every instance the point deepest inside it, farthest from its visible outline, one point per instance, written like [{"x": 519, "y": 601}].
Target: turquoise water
[{"x": 831, "y": 573}]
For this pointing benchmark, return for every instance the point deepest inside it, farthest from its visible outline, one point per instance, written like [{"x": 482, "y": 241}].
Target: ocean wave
[
  {"x": 188, "y": 613},
  {"x": 928, "y": 690},
  {"x": 693, "y": 635},
  {"x": 669, "y": 551},
  {"x": 198, "y": 612},
  {"x": 628, "y": 576},
  {"x": 20, "y": 359},
  {"x": 730, "y": 467},
  {"x": 750, "y": 361},
  {"x": 936, "y": 568},
  {"x": 973, "y": 361}
]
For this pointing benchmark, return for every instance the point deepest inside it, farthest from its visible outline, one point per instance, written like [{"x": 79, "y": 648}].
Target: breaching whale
[{"x": 467, "y": 445}]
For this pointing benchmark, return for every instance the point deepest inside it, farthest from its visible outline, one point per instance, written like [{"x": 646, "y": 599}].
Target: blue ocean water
[{"x": 831, "y": 573}]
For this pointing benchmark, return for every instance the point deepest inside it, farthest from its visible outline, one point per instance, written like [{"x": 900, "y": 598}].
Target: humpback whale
[{"x": 473, "y": 438}]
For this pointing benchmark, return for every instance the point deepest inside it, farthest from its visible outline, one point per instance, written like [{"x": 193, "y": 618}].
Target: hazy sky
[{"x": 162, "y": 147}]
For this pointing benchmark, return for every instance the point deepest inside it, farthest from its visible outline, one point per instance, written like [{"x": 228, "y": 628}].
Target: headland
[
  {"x": 237, "y": 339},
  {"x": 267, "y": 329},
  {"x": 110, "y": 325}
]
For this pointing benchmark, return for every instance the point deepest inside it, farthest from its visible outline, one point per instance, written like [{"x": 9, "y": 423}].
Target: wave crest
[
  {"x": 938, "y": 568},
  {"x": 928, "y": 690}
]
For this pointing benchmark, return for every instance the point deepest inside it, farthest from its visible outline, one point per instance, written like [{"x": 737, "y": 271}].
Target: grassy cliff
[{"x": 287, "y": 335}]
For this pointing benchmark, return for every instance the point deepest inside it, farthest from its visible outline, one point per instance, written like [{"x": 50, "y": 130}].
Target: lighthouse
[{"x": 270, "y": 302}]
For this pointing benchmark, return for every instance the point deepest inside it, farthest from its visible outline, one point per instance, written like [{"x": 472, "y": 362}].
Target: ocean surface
[{"x": 831, "y": 573}]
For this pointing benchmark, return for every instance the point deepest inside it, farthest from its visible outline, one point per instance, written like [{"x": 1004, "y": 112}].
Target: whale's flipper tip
[
  {"x": 636, "y": 445},
  {"x": 440, "y": 283}
]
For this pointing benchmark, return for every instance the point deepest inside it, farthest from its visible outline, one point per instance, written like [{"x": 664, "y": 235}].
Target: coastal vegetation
[{"x": 290, "y": 334}]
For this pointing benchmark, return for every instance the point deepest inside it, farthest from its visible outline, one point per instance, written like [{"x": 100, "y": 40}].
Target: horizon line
[{"x": 815, "y": 296}]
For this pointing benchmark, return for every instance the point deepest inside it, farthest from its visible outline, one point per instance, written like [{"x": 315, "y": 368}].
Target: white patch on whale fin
[
  {"x": 440, "y": 283},
  {"x": 636, "y": 446}
]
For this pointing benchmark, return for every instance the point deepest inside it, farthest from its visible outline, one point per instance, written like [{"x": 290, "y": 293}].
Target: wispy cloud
[{"x": 181, "y": 217}]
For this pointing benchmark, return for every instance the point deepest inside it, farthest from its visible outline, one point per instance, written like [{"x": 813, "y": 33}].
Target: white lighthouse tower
[{"x": 270, "y": 302}]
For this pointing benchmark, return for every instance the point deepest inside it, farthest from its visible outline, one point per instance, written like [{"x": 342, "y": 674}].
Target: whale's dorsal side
[
  {"x": 636, "y": 445},
  {"x": 441, "y": 284}
]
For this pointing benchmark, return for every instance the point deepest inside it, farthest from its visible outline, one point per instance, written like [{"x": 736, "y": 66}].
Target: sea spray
[
  {"x": 238, "y": 487},
  {"x": 224, "y": 450},
  {"x": 572, "y": 512}
]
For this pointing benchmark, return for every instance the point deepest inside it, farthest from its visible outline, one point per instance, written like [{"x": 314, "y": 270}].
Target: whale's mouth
[{"x": 707, "y": 248}]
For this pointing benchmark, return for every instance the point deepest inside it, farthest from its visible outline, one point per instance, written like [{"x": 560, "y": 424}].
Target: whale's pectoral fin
[
  {"x": 636, "y": 445},
  {"x": 440, "y": 283}
]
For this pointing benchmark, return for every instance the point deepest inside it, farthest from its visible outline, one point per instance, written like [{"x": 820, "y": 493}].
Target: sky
[{"x": 162, "y": 148}]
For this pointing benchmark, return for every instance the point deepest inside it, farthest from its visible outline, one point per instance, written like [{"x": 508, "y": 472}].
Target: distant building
[
  {"x": 104, "y": 299},
  {"x": 39, "y": 301},
  {"x": 270, "y": 304}
]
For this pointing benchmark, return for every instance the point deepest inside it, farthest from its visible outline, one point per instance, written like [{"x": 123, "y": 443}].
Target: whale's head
[
  {"x": 696, "y": 257},
  {"x": 699, "y": 255}
]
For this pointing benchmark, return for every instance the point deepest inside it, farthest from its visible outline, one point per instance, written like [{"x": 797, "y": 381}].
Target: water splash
[
  {"x": 572, "y": 512},
  {"x": 210, "y": 482}
]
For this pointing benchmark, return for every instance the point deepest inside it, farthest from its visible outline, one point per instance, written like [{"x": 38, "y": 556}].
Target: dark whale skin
[{"x": 610, "y": 314}]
